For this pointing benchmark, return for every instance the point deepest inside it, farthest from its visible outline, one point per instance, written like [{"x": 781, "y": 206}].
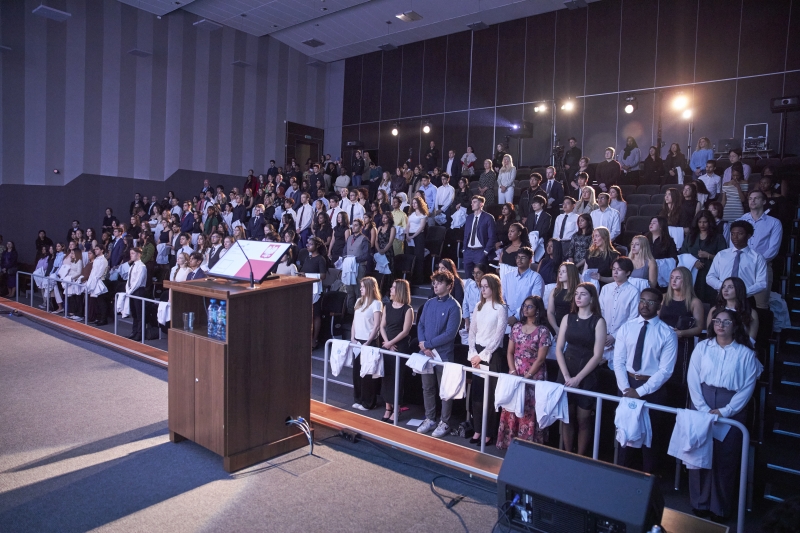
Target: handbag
[{"x": 685, "y": 322}]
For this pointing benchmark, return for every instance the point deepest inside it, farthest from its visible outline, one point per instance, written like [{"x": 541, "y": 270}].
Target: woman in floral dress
[{"x": 528, "y": 345}]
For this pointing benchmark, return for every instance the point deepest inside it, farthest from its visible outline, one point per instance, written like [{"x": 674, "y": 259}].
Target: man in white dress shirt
[
  {"x": 566, "y": 224},
  {"x": 644, "y": 358},
  {"x": 444, "y": 197},
  {"x": 766, "y": 239},
  {"x": 334, "y": 210},
  {"x": 354, "y": 209},
  {"x": 305, "y": 215},
  {"x": 619, "y": 303},
  {"x": 606, "y": 216},
  {"x": 95, "y": 286},
  {"x": 739, "y": 261},
  {"x": 734, "y": 156},
  {"x": 135, "y": 286},
  {"x": 710, "y": 179}
]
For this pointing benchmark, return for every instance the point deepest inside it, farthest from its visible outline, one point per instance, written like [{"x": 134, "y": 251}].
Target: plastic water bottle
[
  {"x": 212, "y": 318},
  {"x": 222, "y": 320}
]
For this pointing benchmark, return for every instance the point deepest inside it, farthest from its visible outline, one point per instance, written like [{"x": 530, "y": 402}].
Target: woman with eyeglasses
[
  {"x": 733, "y": 295},
  {"x": 528, "y": 345},
  {"x": 722, "y": 376}
]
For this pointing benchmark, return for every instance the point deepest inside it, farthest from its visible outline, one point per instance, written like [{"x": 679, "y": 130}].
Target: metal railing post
[
  {"x": 485, "y": 413},
  {"x": 85, "y": 306},
  {"x": 116, "y": 315},
  {"x": 597, "y": 416},
  {"x": 143, "y": 324},
  {"x": 325, "y": 371},
  {"x": 396, "y": 410},
  {"x": 66, "y": 302},
  {"x": 742, "y": 475}
]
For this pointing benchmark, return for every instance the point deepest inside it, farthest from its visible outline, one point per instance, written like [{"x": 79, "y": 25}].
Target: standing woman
[
  {"x": 502, "y": 224},
  {"x": 463, "y": 195},
  {"x": 505, "y": 181},
  {"x": 400, "y": 224},
  {"x": 702, "y": 154},
  {"x": 734, "y": 193},
  {"x": 723, "y": 227},
  {"x": 644, "y": 264},
  {"x": 9, "y": 266},
  {"x": 316, "y": 263},
  {"x": 733, "y": 295},
  {"x": 653, "y": 171},
  {"x": 601, "y": 256},
  {"x": 690, "y": 205},
  {"x": 385, "y": 245},
  {"x": 661, "y": 243},
  {"x": 631, "y": 160},
  {"x": 584, "y": 333},
  {"x": 722, "y": 376},
  {"x": 579, "y": 246},
  {"x": 704, "y": 243},
  {"x": 518, "y": 238},
  {"x": 365, "y": 331},
  {"x": 683, "y": 312},
  {"x": 675, "y": 160},
  {"x": 396, "y": 323},
  {"x": 487, "y": 329},
  {"x": 340, "y": 235},
  {"x": 673, "y": 212},
  {"x": 468, "y": 163},
  {"x": 561, "y": 298},
  {"x": 528, "y": 345},
  {"x": 415, "y": 235},
  {"x": 487, "y": 184},
  {"x": 181, "y": 268},
  {"x": 323, "y": 230},
  {"x": 553, "y": 257}
]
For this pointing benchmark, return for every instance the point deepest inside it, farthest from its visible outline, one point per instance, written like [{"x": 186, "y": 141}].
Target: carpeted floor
[{"x": 84, "y": 445}]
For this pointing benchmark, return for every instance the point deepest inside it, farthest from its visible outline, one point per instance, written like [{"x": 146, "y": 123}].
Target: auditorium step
[{"x": 782, "y": 466}]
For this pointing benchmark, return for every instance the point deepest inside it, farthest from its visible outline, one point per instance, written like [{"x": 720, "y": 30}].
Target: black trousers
[
  {"x": 365, "y": 390},
  {"x": 627, "y": 456},
  {"x": 136, "y": 311},
  {"x": 389, "y": 367},
  {"x": 498, "y": 363},
  {"x": 419, "y": 261}
]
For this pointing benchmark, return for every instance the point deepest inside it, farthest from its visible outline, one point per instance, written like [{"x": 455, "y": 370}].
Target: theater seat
[
  {"x": 649, "y": 211},
  {"x": 638, "y": 199},
  {"x": 648, "y": 189},
  {"x": 659, "y": 198}
]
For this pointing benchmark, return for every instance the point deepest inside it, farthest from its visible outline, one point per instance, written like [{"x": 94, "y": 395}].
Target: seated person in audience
[
  {"x": 181, "y": 269},
  {"x": 583, "y": 332},
  {"x": 735, "y": 156},
  {"x": 601, "y": 256},
  {"x": 733, "y": 295},
  {"x": 581, "y": 241},
  {"x": 644, "y": 359},
  {"x": 607, "y": 216},
  {"x": 520, "y": 284},
  {"x": 722, "y": 376},
  {"x": 644, "y": 265},
  {"x": 539, "y": 219},
  {"x": 587, "y": 203},
  {"x": 396, "y": 322},
  {"x": 703, "y": 243},
  {"x": 436, "y": 330},
  {"x": 739, "y": 261},
  {"x": 608, "y": 172},
  {"x": 661, "y": 243},
  {"x": 528, "y": 345},
  {"x": 553, "y": 257},
  {"x": 619, "y": 303}
]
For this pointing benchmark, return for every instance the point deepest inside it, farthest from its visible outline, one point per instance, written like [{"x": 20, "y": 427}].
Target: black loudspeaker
[
  {"x": 354, "y": 144},
  {"x": 547, "y": 490},
  {"x": 785, "y": 103}
]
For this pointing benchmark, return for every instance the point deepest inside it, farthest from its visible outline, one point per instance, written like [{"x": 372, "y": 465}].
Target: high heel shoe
[
  {"x": 388, "y": 418},
  {"x": 489, "y": 442},
  {"x": 475, "y": 440}
]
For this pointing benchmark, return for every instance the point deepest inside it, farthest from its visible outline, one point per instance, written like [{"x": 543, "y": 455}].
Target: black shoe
[
  {"x": 136, "y": 338},
  {"x": 718, "y": 519},
  {"x": 488, "y": 442},
  {"x": 474, "y": 440},
  {"x": 103, "y": 323},
  {"x": 701, "y": 513},
  {"x": 93, "y": 323}
]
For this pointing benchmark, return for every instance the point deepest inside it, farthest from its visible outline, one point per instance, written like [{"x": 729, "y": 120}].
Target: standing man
[
  {"x": 739, "y": 261},
  {"x": 479, "y": 235},
  {"x": 357, "y": 246},
  {"x": 644, "y": 358},
  {"x": 527, "y": 195},
  {"x": 608, "y": 172},
  {"x": 539, "y": 220},
  {"x": 572, "y": 157},
  {"x": 520, "y": 284},
  {"x": 711, "y": 180},
  {"x": 153, "y": 204},
  {"x": 453, "y": 167},
  {"x": 554, "y": 192},
  {"x": 735, "y": 156},
  {"x": 333, "y": 212},
  {"x": 436, "y": 331},
  {"x": 305, "y": 215},
  {"x": 431, "y": 158},
  {"x": 119, "y": 246},
  {"x": 357, "y": 170},
  {"x": 216, "y": 251},
  {"x": 96, "y": 288},
  {"x": 766, "y": 238},
  {"x": 444, "y": 198},
  {"x": 255, "y": 226},
  {"x": 135, "y": 286},
  {"x": 355, "y": 210},
  {"x": 606, "y": 216},
  {"x": 619, "y": 303},
  {"x": 195, "y": 260},
  {"x": 566, "y": 224},
  {"x": 429, "y": 189}
]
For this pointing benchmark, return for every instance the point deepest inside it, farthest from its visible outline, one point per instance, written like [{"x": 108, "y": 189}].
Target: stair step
[{"x": 785, "y": 430}]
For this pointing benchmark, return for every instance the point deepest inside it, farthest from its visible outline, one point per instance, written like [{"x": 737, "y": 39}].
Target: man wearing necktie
[
  {"x": 739, "y": 261},
  {"x": 305, "y": 215},
  {"x": 479, "y": 235},
  {"x": 566, "y": 224},
  {"x": 644, "y": 358},
  {"x": 135, "y": 286},
  {"x": 215, "y": 253},
  {"x": 554, "y": 191}
]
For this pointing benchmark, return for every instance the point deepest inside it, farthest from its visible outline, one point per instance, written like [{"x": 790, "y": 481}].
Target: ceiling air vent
[
  {"x": 51, "y": 13},
  {"x": 208, "y": 25},
  {"x": 387, "y": 47},
  {"x": 313, "y": 43},
  {"x": 409, "y": 16},
  {"x": 476, "y": 26}
]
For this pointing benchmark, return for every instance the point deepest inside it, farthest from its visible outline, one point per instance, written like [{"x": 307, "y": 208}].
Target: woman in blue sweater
[{"x": 702, "y": 153}]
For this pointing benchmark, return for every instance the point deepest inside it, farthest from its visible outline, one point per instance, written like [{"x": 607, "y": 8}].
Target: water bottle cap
[{"x": 213, "y": 301}]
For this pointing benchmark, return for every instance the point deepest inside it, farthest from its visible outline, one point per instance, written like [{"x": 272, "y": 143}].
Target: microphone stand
[{"x": 252, "y": 281}]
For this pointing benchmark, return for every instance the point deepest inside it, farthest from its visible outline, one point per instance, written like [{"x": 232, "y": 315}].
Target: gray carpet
[{"x": 84, "y": 445}]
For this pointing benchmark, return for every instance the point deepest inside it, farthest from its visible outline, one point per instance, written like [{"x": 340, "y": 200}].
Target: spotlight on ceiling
[
  {"x": 427, "y": 127},
  {"x": 680, "y": 102},
  {"x": 687, "y": 114},
  {"x": 569, "y": 105},
  {"x": 538, "y": 108},
  {"x": 631, "y": 104},
  {"x": 395, "y": 129}
]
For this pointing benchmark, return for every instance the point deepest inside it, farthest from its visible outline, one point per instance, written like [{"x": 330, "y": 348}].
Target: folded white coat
[
  {"x": 692, "y": 441},
  {"x": 164, "y": 313},
  {"x": 551, "y": 403},
  {"x": 633, "y": 423},
  {"x": 371, "y": 362},
  {"x": 339, "y": 355},
  {"x": 420, "y": 363},
  {"x": 349, "y": 270},
  {"x": 510, "y": 394},
  {"x": 454, "y": 382}
]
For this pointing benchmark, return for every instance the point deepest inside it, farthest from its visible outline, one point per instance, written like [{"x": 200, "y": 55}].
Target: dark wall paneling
[
  {"x": 388, "y": 147},
  {"x": 455, "y": 135},
  {"x": 506, "y": 116},
  {"x": 433, "y": 81},
  {"x": 713, "y": 111},
  {"x": 371, "y": 87},
  {"x": 369, "y": 134},
  {"x": 570, "y": 124},
  {"x": 602, "y": 57},
  {"x": 638, "y": 124},
  {"x": 539, "y": 58},
  {"x": 752, "y": 105},
  {"x": 349, "y": 133},
  {"x": 511, "y": 62},
  {"x": 677, "y": 24},
  {"x": 56, "y": 99},
  {"x": 459, "y": 48},
  {"x": 756, "y": 54},
  {"x": 411, "y": 85},
  {"x": 351, "y": 109},
  {"x": 570, "y": 52},
  {"x": 793, "y": 44},
  {"x": 792, "y": 119},
  {"x": 390, "y": 84},
  {"x": 484, "y": 57},
  {"x": 600, "y": 126},
  {"x": 638, "y": 46},
  {"x": 536, "y": 150},
  {"x": 716, "y": 55},
  {"x": 411, "y": 144},
  {"x": 481, "y": 134}
]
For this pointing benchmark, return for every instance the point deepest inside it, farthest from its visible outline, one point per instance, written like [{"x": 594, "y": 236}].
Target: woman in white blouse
[
  {"x": 415, "y": 236},
  {"x": 505, "y": 181},
  {"x": 71, "y": 270},
  {"x": 181, "y": 268},
  {"x": 468, "y": 162},
  {"x": 487, "y": 329},
  {"x": 365, "y": 331},
  {"x": 722, "y": 376}
]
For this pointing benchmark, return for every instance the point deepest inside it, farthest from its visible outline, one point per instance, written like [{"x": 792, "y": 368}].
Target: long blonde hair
[
  {"x": 687, "y": 290},
  {"x": 372, "y": 293},
  {"x": 510, "y": 163},
  {"x": 497, "y": 291},
  {"x": 592, "y": 201},
  {"x": 595, "y": 251},
  {"x": 646, "y": 253}
]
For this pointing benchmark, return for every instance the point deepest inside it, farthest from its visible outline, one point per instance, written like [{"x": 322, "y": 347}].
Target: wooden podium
[{"x": 234, "y": 396}]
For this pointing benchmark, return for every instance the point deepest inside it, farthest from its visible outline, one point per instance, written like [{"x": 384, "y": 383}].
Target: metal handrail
[
  {"x": 143, "y": 299},
  {"x": 598, "y": 414}
]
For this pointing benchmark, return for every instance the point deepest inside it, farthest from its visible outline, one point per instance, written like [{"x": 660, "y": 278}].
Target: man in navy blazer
[
  {"x": 479, "y": 236},
  {"x": 119, "y": 246},
  {"x": 195, "y": 260},
  {"x": 187, "y": 221},
  {"x": 554, "y": 192}
]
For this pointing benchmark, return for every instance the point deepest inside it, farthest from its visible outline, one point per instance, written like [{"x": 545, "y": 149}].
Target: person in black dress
[
  {"x": 395, "y": 336},
  {"x": 518, "y": 237},
  {"x": 653, "y": 168},
  {"x": 322, "y": 229},
  {"x": 316, "y": 263},
  {"x": 385, "y": 245},
  {"x": 683, "y": 312},
  {"x": 661, "y": 243},
  {"x": 507, "y": 217},
  {"x": 553, "y": 257},
  {"x": 340, "y": 234},
  {"x": 601, "y": 256},
  {"x": 583, "y": 331}
]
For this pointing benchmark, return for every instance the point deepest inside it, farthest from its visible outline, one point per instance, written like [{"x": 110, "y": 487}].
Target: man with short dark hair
[
  {"x": 572, "y": 156},
  {"x": 216, "y": 251},
  {"x": 357, "y": 170},
  {"x": 644, "y": 358},
  {"x": 356, "y": 246},
  {"x": 739, "y": 261},
  {"x": 195, "y": 260},
  {"x": 539, "y": 220},
  {"x": 436, "y": 331},
  {"x": 272, "y": 170},
  {"x": 554, "y": 192},
  {"x": 608, "y": 172},
  {"x": 479, "y": 235},
  {"x": 566, "y": 224},
  {"x": 528, "y": 194},
  {"x": 766, "y": 238},
  {"x": 711, "y": 180},
  {"x": 619, "y": 303},
  {"x": 520, "y": 284},
  {"x": 452, "y": 167},
  {"x": 606, "y": 216},
  {"x": 333, "y": 212},
  {"x": 305, "y": 215},
  {"x": 431, "y": 158},
  {"x": 135, "y": 286}
]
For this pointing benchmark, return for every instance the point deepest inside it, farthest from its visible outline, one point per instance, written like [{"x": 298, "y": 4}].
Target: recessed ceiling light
[
  {"x": 243, "y": 15},
  {"x": 274, "y": 25},
  {"x": 409, "y": 16},
  {"x": 324, "y": 9},
  {"x": 313, "y": 43}
]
